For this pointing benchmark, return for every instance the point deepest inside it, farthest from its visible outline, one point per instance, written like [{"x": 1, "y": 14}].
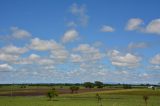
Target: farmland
[{"x": 85, "y": 97}]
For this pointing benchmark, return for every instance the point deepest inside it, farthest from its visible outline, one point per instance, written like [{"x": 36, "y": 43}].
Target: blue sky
[{"x": 45, "y": 41}]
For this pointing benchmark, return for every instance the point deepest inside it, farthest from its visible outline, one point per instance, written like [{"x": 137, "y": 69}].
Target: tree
[
  {"x": 49, "y": 95},
  {"x": 52, "y": 94},
  {"x": 145, "y": 98},
  {"x": 74, "y": 89},
  {"x": 153, "y": 88},
  {"x": 99, "y": 99},
  {"x": 99, "y": 84},
  {"x": 22, "y": 86},
  {"x": 88, "y": 85}
]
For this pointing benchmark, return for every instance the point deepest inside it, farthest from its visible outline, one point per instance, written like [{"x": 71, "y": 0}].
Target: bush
[
  {"x": 23, "y": 86},
  {"x": 99, "y": 84},
  {"x": 52, "y": 94},
  {"x": 74, "y": 89},
  {"x": 88, "y": 85}
]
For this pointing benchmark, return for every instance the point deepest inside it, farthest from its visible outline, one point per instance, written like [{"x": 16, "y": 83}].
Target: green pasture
[{"x": 131, "y": 97}]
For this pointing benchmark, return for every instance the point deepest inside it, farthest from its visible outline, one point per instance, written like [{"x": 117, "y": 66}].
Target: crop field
[
  {"x": 129, "y": 97},
  {"x": 38, "y": 91}
]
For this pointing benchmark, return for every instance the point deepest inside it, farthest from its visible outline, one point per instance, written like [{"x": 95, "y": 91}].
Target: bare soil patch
[{"x": 43, "y": 91}]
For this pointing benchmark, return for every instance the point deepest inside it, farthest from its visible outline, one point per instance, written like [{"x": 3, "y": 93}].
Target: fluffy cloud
[
  {"x": 59, "y": 55},
  {"x": 70, "y": 35},
  {"x": 88, "y": 52},
  {"x": 83, "y": 61},
  {"x": 15, "y": 34},
  {"x": 11, "y": 49},
  {"x": 85, "y": 48},
  {"x": 5, "y": 67},
  {"x": 8, "y": 57},
  {"x": 44, "y": 45},
  {"x": 80, "y": 13},
  {"x": 56, "y": 50},
  {"x": 89, "y": 71},
  {"x": 106, "y": 28},
  {"x": 11, "y": 53},
  {"x": 155, "y": 59},
  {"x": 76, "y": 58},
  {"x": 134, "y": 24},
  {"x": 19, "y": 33},
  {"x": 127, "y": 60},
  {"x": 153, "y": 27},
  {"x": 36, "y": 59},
  {"x": 46, "y": 61}
]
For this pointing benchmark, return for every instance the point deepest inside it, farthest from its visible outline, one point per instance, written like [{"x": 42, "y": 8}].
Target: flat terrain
[
  {"x": 39, "y": 91},
  {"x": 129, "y": 97}
]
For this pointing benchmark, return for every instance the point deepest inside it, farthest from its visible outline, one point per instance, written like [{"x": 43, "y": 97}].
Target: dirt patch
[{"x": 39, "y": 92}]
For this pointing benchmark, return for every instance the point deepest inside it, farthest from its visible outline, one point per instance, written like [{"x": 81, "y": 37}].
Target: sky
[{"x": 74, "y": 41}]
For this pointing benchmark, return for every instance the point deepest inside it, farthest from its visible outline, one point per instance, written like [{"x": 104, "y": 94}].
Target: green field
[{"x": 131, "y": 97}]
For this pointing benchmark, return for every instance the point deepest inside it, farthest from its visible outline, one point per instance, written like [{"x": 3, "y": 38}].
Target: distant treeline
[{"x": 85, "y": 84}]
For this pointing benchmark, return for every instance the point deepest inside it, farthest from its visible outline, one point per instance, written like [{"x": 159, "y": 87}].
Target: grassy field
[{"x": 131, "y": 97}]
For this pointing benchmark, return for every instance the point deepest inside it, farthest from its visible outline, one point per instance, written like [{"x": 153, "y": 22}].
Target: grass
[{"x": 131, "y": 97}]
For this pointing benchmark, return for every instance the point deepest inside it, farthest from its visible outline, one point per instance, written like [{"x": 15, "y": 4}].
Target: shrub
[
  {"x": 88, "y": 85},
  {"x": 74, "y": 89},
  {"x": 99, "y": 84},
  {"x": 52, "y": 94}
]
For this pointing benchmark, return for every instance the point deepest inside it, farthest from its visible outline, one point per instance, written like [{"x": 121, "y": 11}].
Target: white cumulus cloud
[
  {"x": 8, "y": 57},
  {"x": 70, "y": 36},
  {"x": 106, "y": 28},
  {"x": 153, "y": 27},
  {"x": 88, "y": 52},
  {"x": 134, "y": 24},
  {"x": 59, "y": 55},
  {"x": 123, "y": 60},
  {"x": 79, "y": 11},
  {"x": 19, "y": 33},
  {"x": 76, "y": 58},
  {"x": 155, "y": 59},
  {"x": 11, "y": 53},
  {"x": 43, "y": 45},
  {"x": 34, "y": 57},
  {"x": 37, "y": 59},
  {"x": 5, "y": 67},
  {"x": 11, "y": 49}
]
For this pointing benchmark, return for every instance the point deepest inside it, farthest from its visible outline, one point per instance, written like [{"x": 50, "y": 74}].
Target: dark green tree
[
  {"x": 88, "y": 85},
  {"x": 52, "y": 94},
  {"x": 74, "y": 89},
  {"x": 99, "y": 84}
]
